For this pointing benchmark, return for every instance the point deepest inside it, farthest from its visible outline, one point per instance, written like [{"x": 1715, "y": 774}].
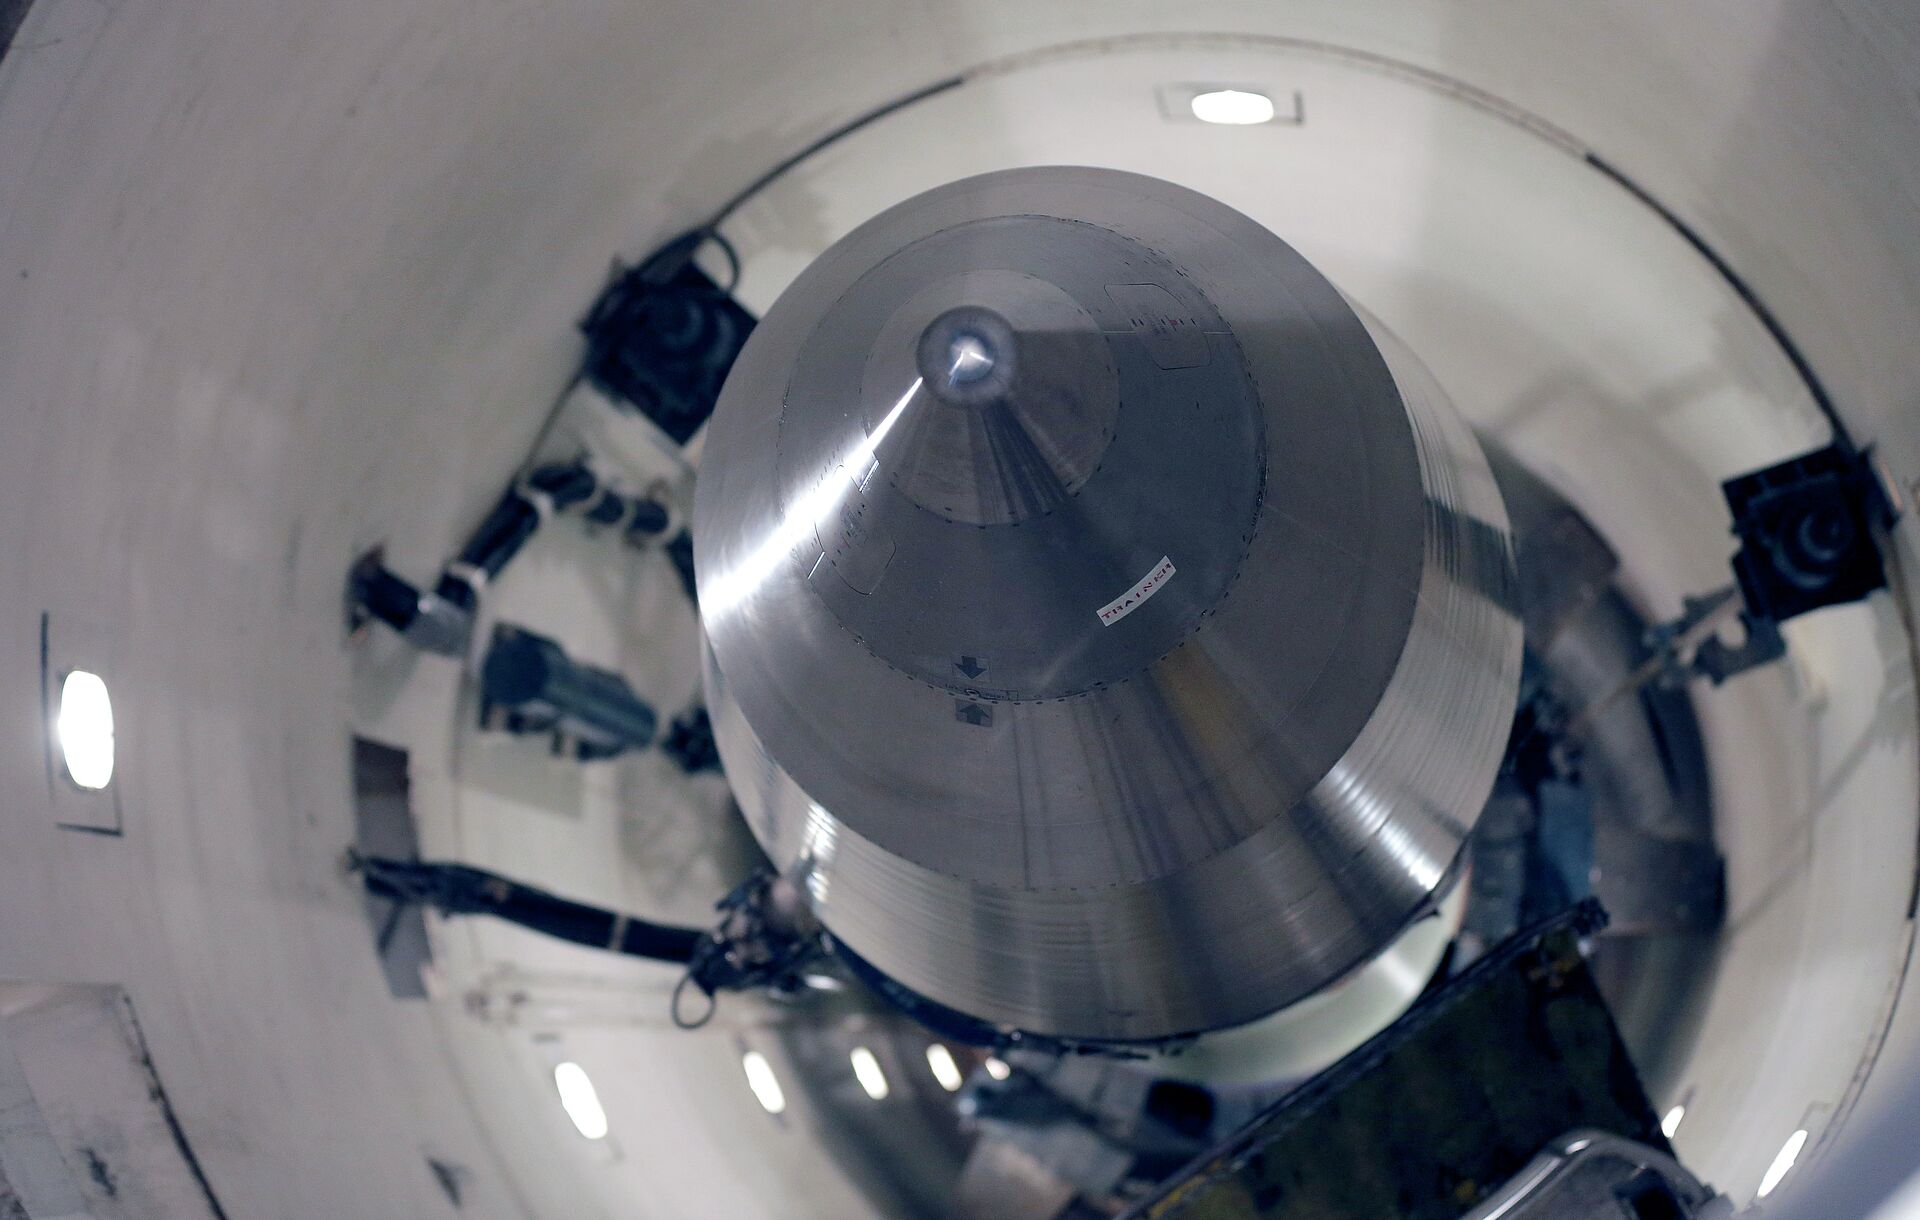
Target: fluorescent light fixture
[
  {"x": 1671, "y": 1122},
  {"x": 1232, "y": 107},
  {"x": 945, "y": 1070},
  {"x": 1789, "y": 1153},
  {"x": 765, "y": 1085},
  {"x": 998, "y": 1069},
  {"x": 581, "y": 1103},
  {"x": 84, "y": 725},
  {"x": 866, "y": 1069}
]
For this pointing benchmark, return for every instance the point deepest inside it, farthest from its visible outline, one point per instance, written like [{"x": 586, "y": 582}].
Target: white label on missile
[{"x": 1136, "y": 597}]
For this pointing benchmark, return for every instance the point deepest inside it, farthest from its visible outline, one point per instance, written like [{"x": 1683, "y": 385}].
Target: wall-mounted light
[
  {"x": 1232, "y": 107},
  {"x": 765, "y": 1085},
  {"x": 83, "y": 724},
  {"x": 945, "y": 1070},
  {"x": 1671, "y": 1123},
  {"x": 1789, "y": 1153},
  {"x": 1230, "y": 104},
  {"x": 580, "y": 1100},
  {"x": 866, "y": 1069}
]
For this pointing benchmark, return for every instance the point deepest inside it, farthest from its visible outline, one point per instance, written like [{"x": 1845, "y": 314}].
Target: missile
[{"x": 1111, "y": 629}]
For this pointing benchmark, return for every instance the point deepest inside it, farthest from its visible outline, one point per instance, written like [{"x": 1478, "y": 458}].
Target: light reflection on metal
[
  {"x": 1185, "y": 819},
  {"x": 815, "y": 863},
  {"x": 723, "y": 593}
]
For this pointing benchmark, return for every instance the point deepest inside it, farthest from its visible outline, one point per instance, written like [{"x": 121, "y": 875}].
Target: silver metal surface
[{"x": 1111, "y": 629}]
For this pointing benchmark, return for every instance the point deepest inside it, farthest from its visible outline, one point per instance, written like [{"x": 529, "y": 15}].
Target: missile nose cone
[
  {"x": 968, "y": 360},
  {"x": 967, "y": 356},
  {"x": 1106, "y": 626}
]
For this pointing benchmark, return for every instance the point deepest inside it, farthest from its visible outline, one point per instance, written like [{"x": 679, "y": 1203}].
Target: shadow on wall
[{"x": 89, "y": 1130}]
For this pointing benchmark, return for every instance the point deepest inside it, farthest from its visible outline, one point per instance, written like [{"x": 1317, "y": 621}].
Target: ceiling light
[
  {"x": 765, "y": 1086},
  {"x": 84, "y": 725},
  {"x": 1671, "y": 1122},
  {"x": 1789, "y": 1153},
  {"x": 998, "y": 1069},
  {"x": 945, "y": 1070},
  {"x": 1233, "y": 107},
  {"x": 867, "y": 1070},
  {"x": 581, "y": 1103}
]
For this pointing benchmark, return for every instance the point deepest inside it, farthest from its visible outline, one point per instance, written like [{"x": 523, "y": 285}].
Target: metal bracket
[
  {"x": 765, "y": 940},
  {"x": 663, "y": 336},
  {"x": 1809, "y": 538}
]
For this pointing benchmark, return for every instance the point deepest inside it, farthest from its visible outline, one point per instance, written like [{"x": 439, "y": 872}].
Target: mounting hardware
[
  {"x": 765, "y": 940},
  {"x": 663, "y": 335},
  {"x": 428, "y": 621},
  {"x": 528, "y": 685},
  {"x": 1808, "y": 530},
  {"x": 689, "y": 742}
]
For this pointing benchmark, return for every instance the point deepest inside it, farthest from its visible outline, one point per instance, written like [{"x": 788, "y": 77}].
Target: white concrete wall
[{"x": 282, "y": 281}]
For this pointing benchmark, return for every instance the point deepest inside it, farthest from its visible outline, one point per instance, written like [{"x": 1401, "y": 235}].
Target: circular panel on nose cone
[{"x": 1005, "y": 503}]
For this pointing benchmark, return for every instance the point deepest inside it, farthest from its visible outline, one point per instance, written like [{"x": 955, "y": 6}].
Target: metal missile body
[{"x": 1109, "y": 627}]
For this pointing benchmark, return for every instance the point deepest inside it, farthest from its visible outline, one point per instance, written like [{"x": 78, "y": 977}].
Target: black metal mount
[
  {"x": 1451, "y": 1100},
  {"x": 1809, "y": 531},
  {"x": 460, "y": 889},
  {"x": 663, "y": 335},
  {"x": 441, "y": 621},
  {"x": 559, "y": 487},
  {"x": 689, "y": 742},
  {"x": 529, "y": 685},
  {"x": 765, "y": 940}
]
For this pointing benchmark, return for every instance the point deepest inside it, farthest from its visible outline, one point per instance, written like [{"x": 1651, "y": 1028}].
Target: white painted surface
[
  {"x": 35, "y": 1179},
  {"x": 280, "y": 282},
  {"x": 80, "y": 1051}
]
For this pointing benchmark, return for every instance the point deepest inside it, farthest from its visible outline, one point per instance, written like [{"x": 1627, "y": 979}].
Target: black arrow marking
[
  {"x": 972, "y": 713},
  {"x": 973, "y": 667}
]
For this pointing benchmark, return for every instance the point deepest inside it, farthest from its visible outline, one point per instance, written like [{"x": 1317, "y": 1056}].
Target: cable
[
  {"x": 733, "y": 258},
  {"x": 459, "y": 889},
  {"x": 839, "y": 133},
  {"x": 674, "y": 1005}
]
